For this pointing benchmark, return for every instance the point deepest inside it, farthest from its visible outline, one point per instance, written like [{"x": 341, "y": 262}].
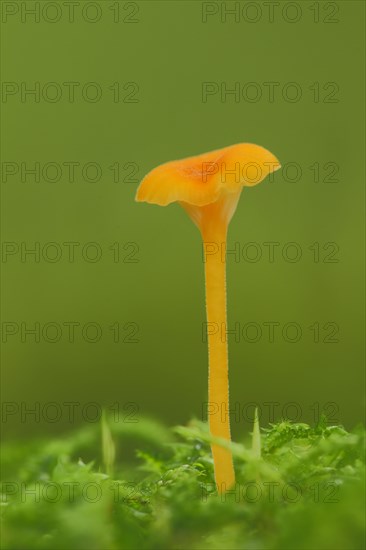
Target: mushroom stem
[{"x": 214, "y": 239}]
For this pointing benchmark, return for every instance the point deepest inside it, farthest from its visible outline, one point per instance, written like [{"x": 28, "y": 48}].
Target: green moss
[{"x": 299, "y": 487}]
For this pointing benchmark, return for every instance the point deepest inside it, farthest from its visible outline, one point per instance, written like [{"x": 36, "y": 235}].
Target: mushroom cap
[{"x": 200, "y": 180}]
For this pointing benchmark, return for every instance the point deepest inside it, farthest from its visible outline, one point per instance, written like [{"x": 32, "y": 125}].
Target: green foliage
[{"x": 298, "y": 487}]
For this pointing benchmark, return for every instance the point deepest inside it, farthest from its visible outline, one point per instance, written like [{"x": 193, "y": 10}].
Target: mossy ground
[{"x": 92, "y": 490}]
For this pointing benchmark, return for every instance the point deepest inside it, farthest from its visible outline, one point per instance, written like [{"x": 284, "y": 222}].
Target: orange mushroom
[{"x": 208, "y": 187}]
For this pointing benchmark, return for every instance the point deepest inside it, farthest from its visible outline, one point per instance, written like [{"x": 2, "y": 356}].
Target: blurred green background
[{"x": 154, "y": 290}]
